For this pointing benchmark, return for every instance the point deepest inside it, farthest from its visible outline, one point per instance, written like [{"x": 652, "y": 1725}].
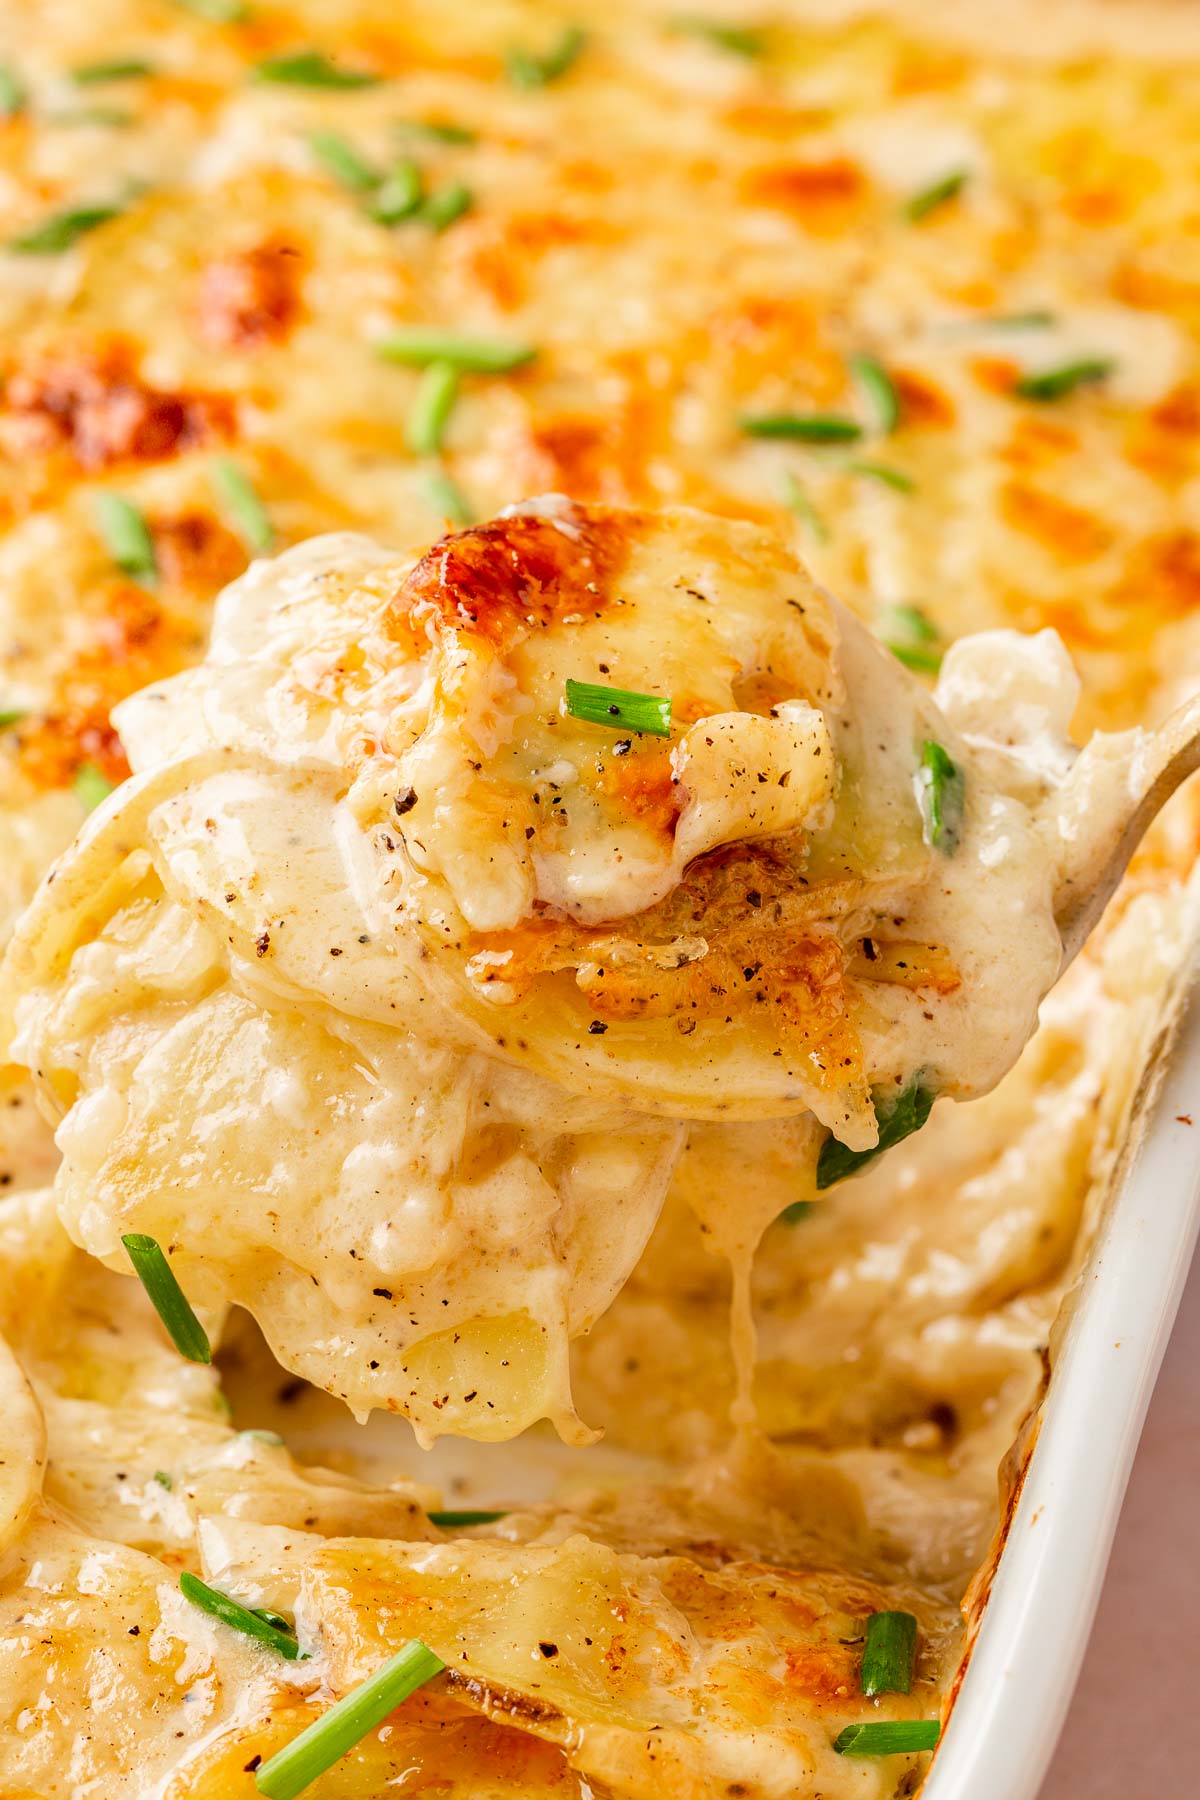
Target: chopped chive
[
  {"x": 94, "y": 74},
  {"x": 343, "y": 162},
  {"x": 221, "y": 12},
  {"x": 799, "y": 1209},
  {"x": 12, "y": 716},
  {"x": 877, "y": 471},
  {"x": 12, "y": 92},
  {"x": 244, "y": 506},
  {"x": 432, "y": 408},
  {"x": 399, "y": 194},
  {"x": 1036, "y": 320},
  {"x": 312, "y": 68},
  {"x": 887, "y": 1664},
  {"x": 448, "y": 1520},
  {"x": 888, "y": 1737},
  {"x": 1054, "y": 384},
  {"x": 447, "y": 204},
  {"x": 620, "y": 708},
  {"x": 425, "y": 344},
  {"x": 328, "y": 1739},
  {"x": 259, "y": 1436},
  {"x": 164, "y": 1480},
  {"x": 906, "y": 1114},
  {"x": 808, "y": 428},
  {"x": 798, "y": 502},
  {"x": 739, "y": 40},
  {"x": 115, "y": 116},
  {"x": 441, "y": 131},
  {"x": 880, "y": 390},
  {"x": 127, "y": 536},
  {"x": 157, "y": 1277},
  {"x": 912, "y": 638},
  {"x": 90, "y": 786},
  {"x": 265, "y": 1628},
  {"x": 941, "y": 790},
  {"x": 527, "y": 70},
  {"x": 61, "y": 230},
  {"x": 447, "y": 498},
  {"x": 936, "y": 195}
]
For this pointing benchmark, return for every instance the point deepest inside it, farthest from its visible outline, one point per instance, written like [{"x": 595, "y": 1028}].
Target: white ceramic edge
[{"x": 1018, "y": 1685}]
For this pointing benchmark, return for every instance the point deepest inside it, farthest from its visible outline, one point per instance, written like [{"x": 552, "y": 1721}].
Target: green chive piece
[
  {"x": 12, "y": 92},
  {"x": 888, "y": 1737},
  {"x": 879, "y": 389},
  {"x": 221, "y": 12},
  {"x": 158, "y": 1278},
  {"x": 798, "y": 1210},
  {"x": 447, "y": 498},
  {"x": 328, "y": 1739},
  {"x": 90, "y": 786},
  {"x": 114, "y": 116},
  {"x": 1036, "y": 320},
  {"x": 265, "y": 1628},
  {"x": 807, "y": 428},
  {"x": 127, "y": 536},
  {"x": 440, "y": 131},
  {"x": 247, "y": 511},
  {"x": 164, "y": 1480},
  {"x": 94, "y": 74},
  {"x": 343, "y": 162},
  {"x": 798, "y": 502},
  {"x": 619, "y": 708},
  {"x": 930, "y": 199},
  {"x": 912, "y": 638},
  {"x": 739, "y": 40},
  {"x": 890, "y": 1654},
  {"x": 1054, "y": 384},
  {"x": 447, "y": 205},
  {"x": 425, "y": 344},
  {"x": 432, "y": 408},
  {"x": 527, "y": 70},
  {"x": 449, "y": 1520},
  {"x": 12, "y": 715},
  {"x": 399, "y": 194},
  {"x": 941, "y": 789},
  {"x": 884, "y": 472},
  {"x": 312, "y": 68},
  {"x": 905, "y": 1114},
  {"x": 61, "y": 230}
]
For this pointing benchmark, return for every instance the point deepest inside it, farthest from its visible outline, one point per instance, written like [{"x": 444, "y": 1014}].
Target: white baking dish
[{"x": 1027, "y": 1657}]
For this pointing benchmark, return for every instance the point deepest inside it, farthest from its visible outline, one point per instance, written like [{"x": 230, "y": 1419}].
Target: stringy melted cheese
[{"x": 684, "y": 235}]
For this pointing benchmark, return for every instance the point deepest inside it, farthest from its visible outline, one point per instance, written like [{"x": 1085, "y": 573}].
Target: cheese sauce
[{"x": 690, "y": 229}]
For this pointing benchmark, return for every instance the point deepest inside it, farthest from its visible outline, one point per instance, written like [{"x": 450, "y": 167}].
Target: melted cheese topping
[
  {"x": 234, "y": 990},
  {"x": 684, "y": 235}
]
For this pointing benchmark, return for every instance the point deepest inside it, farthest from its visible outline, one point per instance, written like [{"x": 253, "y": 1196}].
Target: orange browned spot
[
  {"x": 998, "y": 374},
  {"x": 1037, "y": 442},
  {"x": 644, "y": 788},
  {"x": 1165, "y": 440},
  {"x": 1162, "y": 579},
  {"x": 92, "y": 401},
  {"x": 136, "y": 641},
  {"x": 250, "y": 297},
  {"x": 926, "y": 68},
  {"x": 922, "y": 402},
  {"x": 1157, "y": 289},
  {"x": 195, "y": 552},
  {"x": 1069, "y": 533},
  {"x": 823, "y": 1671},
  {"x": 592, "y": 457},
  {"x": 512, "y": 575},
  {"x": 822, "y": 195}
]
